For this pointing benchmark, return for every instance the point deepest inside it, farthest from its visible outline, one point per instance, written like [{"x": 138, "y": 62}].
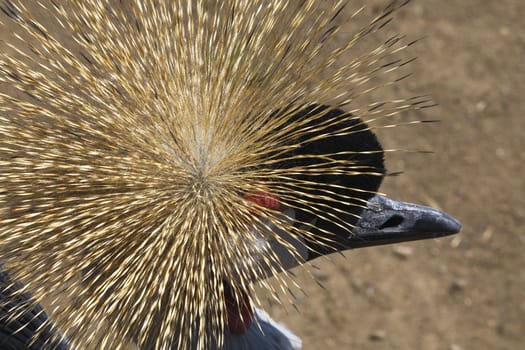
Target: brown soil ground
[
  {"x": 467, "y": 291},
  {"x": 463, "y": 292}
]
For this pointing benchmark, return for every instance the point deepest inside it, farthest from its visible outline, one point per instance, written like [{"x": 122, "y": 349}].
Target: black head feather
[{"x": 362, "y": 152}]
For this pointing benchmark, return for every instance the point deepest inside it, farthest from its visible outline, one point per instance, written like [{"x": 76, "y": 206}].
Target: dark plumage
[
  {"x": 19, "y": 331},
  {"x": 357, "y": 145}
]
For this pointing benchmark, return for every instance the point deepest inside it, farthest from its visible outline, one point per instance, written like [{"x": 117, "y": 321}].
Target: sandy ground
[{"x": 465, "y": 292}]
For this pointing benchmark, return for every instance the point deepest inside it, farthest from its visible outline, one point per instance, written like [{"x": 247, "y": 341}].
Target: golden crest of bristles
[{"x": 129, "y": 133}]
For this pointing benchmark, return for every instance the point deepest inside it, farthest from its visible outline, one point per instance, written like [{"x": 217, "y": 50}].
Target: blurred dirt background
[
  {"x": 464, "y": 292},
  {"x": 459, "y": 293}
]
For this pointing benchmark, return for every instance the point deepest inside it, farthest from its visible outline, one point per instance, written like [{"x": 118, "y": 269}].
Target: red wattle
[{"x": 240, "y": 316}]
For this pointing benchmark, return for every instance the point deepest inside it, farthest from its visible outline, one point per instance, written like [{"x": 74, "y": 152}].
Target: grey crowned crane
[
  {"x": 381, "y": 221},
  {"x": 159, "y": 158}
]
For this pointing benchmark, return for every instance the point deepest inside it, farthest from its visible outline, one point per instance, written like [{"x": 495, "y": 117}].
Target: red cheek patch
[{"x": 264, "y": 199}]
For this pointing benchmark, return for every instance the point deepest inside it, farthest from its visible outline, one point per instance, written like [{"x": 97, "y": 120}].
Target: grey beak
[{"x": 387, "y": 221}]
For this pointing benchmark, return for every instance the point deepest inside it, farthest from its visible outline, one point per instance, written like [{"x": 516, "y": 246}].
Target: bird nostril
[{"x": 393, "y": 221}]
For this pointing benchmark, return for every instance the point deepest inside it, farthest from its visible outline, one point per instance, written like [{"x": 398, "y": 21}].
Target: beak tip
[
  {"x": 455, "y": 225},
  {"x": 443, "y": 225}
]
